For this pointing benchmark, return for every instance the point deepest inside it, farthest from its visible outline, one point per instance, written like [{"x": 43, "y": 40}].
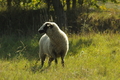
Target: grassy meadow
[{"x": 93, "y": 56}]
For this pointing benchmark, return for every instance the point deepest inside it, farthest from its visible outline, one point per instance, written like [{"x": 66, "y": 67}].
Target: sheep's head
[{"x": 48, "y": 27}]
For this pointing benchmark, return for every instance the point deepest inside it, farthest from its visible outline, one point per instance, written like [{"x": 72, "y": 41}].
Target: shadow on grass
[
  {"x": 78, "y": 45},
  {"x": 35, "y": 69},
  {"x": 38, "y": 68},
  {"x": 17, "y": 47},
  {"x": 12, "y": 47}
]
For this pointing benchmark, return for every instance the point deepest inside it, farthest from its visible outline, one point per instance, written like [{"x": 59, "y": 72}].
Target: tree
[
  {"x": 59, "y": 11},
  {"x": 73, "y": 4},
  {"x": 68, "y": 4},
  {"x": 80, "y": 2},
  {"x": 9, "y": 4},
  {"x": 17, "y": 3},
  {"x": 48, "y": 4}
]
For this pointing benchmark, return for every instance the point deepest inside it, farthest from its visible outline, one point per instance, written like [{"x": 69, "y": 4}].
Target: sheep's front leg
[{"x": 42, "y": 60}]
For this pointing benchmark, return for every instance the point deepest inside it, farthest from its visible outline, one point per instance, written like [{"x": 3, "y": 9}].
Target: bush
[{"x": 99, "y": 21}]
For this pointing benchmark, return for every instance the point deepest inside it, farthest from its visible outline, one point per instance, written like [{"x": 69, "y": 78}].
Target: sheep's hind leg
[
  {"x": 62, "y": 58},
  {"x": 62, "y": 61},
  {"x": 56, "y": 62},
  {"x": 50, "y": 60}
]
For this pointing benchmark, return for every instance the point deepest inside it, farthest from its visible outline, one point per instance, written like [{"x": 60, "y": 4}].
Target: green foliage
[
  {"x": 99, "y": 21},
  {"x": 34, "y": 4},
  {"x": 12, "y": 46},
  {"x": 91, "y": 57}
]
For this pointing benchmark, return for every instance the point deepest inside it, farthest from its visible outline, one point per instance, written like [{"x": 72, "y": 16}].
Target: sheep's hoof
[{"x": 63, "y": 65}]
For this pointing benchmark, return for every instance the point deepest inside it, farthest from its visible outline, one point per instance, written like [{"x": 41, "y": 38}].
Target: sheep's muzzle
[{"x": 41, "y": 31}]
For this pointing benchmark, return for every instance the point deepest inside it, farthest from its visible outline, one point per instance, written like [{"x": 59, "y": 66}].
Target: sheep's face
[{"x": 45, "y": 27}]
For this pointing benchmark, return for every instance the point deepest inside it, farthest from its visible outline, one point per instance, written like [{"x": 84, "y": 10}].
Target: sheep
[{"x": 54, "y": 43}]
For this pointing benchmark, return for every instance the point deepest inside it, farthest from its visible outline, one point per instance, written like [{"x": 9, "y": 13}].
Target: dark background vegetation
[{"x": 24, "y": 17}]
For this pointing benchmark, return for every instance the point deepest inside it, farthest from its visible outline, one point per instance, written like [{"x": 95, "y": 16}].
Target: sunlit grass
[{"x": 91, "y": 57}]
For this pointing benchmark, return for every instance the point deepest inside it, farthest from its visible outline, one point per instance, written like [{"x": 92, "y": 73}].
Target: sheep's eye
[{"x": 49, "y": 26}]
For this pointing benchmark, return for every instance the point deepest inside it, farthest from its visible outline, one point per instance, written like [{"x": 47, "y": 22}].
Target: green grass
[{"x": 91, "y": 56}]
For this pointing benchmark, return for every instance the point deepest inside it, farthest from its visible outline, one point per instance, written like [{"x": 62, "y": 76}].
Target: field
[{"x": 93, "y": 56}]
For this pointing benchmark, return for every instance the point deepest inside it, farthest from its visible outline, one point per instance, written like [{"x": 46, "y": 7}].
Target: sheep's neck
[{"x": 56, "y": 39}]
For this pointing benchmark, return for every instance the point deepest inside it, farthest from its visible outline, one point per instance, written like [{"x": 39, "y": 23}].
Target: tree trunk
[
  {"x": 9, "y": 4},
  {"x": 80, "y": 2},
  {"x": 60, "y": 14},
  {"x": 17, "y": 3},
  {"x": 68, "y": 4},
  {"x": 48, "y": 4},
  {"x": 73, "y": 4},
  {"x": 48, "y": 9}
]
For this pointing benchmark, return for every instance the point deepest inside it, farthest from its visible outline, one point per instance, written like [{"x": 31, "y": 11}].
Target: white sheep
[{"x": 54, "y": 43}]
